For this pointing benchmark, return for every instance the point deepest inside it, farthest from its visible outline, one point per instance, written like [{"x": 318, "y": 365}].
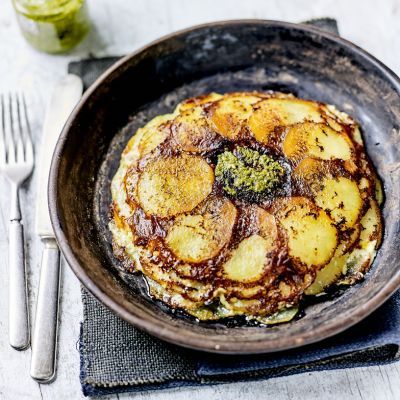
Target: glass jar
[{"x": 53, "y": 26}]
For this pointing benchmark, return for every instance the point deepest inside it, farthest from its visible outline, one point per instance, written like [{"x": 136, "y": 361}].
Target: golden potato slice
[
  {"x": 149, "y": 137},
  {"x": 364, "y": 184},
  {"x": 284, "y": 315},
  {"x": 311, "y": 171},
  {"x": 247, "y": 262},
  {"x": 355, "y": 260},
  {"x": 241, "y": 306},
  {"x": 176, "y": 300},
  {"x": 196, "y": 238},
  {"x": 356, "y": 135},
  {"x": 341, "y": 198},
  {"x": 256, "y": 289},
  {"x": 191, "y": 289},
  {"x": 371, "y": 226},
  {"x": 332, "y": 112},
  {"x": 378, "y": 191},
  {"x": 174, "y": 185},
  {"x": 319, "y": 178},
  {"x": 228, "y": 115},
  {"x": 262, "y": 223},
  {"x": 311, "y": 234},
  {"x": 192, "y": 132},
  {"x": 316, "y": 140},
  {"x": 277, "y": 297},
  {"x": 130, "y": 183},
  {"x": 360, "y": 259},
  {"x": 197, "y": 101},
  {"x": 350, "y": 237},
  {"x": 334, "y": 124},
  {"x": 272, "y": 113},
  {"x": 367, "y": 186},
  {"x": 329, "y": 274}
]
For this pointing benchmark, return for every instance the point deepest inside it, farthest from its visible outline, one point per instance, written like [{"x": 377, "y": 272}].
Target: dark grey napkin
[{"x": 116, "y": 357}]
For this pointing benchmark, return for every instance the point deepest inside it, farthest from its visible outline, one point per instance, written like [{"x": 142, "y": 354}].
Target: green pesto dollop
[{"x": 247, "y": 174}]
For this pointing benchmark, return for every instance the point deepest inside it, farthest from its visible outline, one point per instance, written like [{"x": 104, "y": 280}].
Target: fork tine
[
  {"x": 10, "y": 133},
  {"x": 20, "y": 139},
  {"x": 28, "y": 138},
  {"x": 3, "y": 149}
]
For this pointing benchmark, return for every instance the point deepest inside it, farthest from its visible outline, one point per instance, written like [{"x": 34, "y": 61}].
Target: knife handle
[
  {"x": 44, "y": 340},
  {"x": 18, "y": 307}
]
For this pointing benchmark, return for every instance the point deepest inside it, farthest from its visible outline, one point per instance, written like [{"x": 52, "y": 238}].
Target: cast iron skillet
[{"x": 224, "y": 56}]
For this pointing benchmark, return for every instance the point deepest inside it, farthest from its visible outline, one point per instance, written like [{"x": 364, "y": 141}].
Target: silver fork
[{"x": 16, "y": 163}]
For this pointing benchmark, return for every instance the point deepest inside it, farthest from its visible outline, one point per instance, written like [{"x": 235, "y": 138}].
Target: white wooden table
[{"x": 121, "y": 26}]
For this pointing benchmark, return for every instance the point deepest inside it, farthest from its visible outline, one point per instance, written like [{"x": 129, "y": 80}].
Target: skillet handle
[{"x": 44, "y": 341}]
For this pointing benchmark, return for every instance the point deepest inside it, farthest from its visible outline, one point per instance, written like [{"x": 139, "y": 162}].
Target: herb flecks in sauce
[{"x": 247, "y": 174}]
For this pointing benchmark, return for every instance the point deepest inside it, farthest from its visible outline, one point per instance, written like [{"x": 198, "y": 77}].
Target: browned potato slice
[
  {"x": 267, "y": 226},
  {"x": 332, "y": 112},
  {"x": 259, "y": 306},
  {"x": 272, "y": 113},
  {"x": 118, "y": 219},
  {"x": 341, "y": 198},
  {"x": 371, "y": 225},
  {"x": 311, "y": 171},
  {"x": 316, "y": 140},
  {"x": 311, "y": 234},
  {"x": 196, "y": 238},
  {"x": 192, "y": 132},
  {"x": 130, "y": 182},
  {"x": 378, "y": 191},
  {"x": 197, "y": 101},
  {"x": 241, "y": 306},
  {"x": 351, "y": 237},
  {"x": 358, "y": 258},
  {"x": 149, "y": 137},
  {"x": 228, "y": 115},
  {"x": 356, "y": 135},
  {"x": 174, "y": 185},
  {"x": 329, "y": 274},
  {"x": 364, "y": 185},
  {"x": 336, "y": 267},
  {"x": 176, "y": 300},
  {"x": 247, "y": 262},
  {"x": 174, "y": 284},
  {"x": 334, "y": 124},
  {"x": 259, "y": 283},
  {"x": 253, "y": 289},
  {"x": 284, "y": 315}
]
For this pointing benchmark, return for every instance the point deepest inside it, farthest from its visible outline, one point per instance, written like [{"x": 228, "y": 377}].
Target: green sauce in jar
[{"x": 53, "y": 26}]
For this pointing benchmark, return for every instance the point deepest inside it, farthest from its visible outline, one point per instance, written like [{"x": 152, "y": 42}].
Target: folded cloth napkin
[{"x": 116, "y": 357}]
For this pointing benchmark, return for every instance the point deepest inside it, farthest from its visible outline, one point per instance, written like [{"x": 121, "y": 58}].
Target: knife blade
[{"x": 65, "y": 96}]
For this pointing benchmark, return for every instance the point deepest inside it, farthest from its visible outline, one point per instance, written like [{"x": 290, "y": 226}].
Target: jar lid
[{"x": 47, "y": 10}]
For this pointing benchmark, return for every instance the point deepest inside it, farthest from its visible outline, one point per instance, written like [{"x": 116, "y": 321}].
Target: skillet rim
[{"x": 160, "y": 328}]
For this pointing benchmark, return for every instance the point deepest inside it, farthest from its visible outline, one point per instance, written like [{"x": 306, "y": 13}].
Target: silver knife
[{"x": 44, "y": 341}]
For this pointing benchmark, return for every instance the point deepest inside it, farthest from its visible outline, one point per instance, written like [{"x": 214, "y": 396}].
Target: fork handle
[{"x": 18, "y": 307}]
